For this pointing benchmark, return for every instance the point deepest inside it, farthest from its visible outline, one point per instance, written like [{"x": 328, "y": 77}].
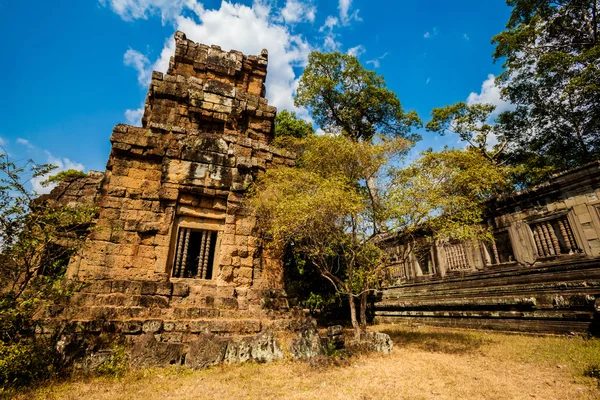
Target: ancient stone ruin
[
  {"x": 176, "y": 265},
  {"x": 173, "y": 254},
  {"x": 541, "y": 273}
]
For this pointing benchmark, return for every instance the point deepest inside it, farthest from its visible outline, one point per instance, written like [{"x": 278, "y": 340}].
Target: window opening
[
  {"x": 554, "y": 237},
  {"x": 456, "y": 258},
  {"x": 423, "y": 256},
  {"x": 500, "y": 250},
  {"x": 194, "y": 254}
]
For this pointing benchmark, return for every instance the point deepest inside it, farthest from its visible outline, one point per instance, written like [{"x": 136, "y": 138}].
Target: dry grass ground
[{"x": 427, "y": 363}]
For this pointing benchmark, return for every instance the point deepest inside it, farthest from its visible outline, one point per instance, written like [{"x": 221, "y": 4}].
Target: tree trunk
[
  {"x": 355, "y": 324},
  {"x": 363, "y": 311},
  {"x": 374, "y": 195}
]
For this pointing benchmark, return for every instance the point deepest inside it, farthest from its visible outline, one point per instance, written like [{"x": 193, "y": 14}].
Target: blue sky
[{"x": 75, "y": 68}]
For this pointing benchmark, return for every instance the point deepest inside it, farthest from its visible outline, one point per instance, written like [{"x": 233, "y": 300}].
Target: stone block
[
  {"x": 181, "y": 290},
  {"x": 152, "y": 326},
  {"x": 131, "y": 327},
  {"x": 148, "y": 352},
  {"x": 128, "y": 287}
]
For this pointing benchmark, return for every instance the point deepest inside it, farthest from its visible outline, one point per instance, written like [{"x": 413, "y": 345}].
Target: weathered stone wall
[
  {"x": 205, "y": 137},
  {"x": 541, "y": 274}
]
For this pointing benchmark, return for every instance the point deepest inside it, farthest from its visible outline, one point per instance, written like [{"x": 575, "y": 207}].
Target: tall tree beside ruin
[
  {"x": 323, "y": 208},
  {"x": 344, "y": 97},
  {"x": 551, "y": 57}
]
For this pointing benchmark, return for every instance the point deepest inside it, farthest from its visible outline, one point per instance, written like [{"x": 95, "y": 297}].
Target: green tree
[
  {"x": 343, "y": 97},
  {"x": 36, "y": 239},
  {"x": 287, "y": 124},
  {"x": 443, "y": 194},
  {"x": 323, "y": 208},
  {"x": 472, "y": 124},
  {"x": 552, "y": 58}
]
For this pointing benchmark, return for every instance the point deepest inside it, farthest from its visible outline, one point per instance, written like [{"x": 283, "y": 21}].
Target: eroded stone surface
[
  {"x": 148, "y": 352},
  {"x": 308, "y": 343},
  {"x": 206, "y": 351},
  {"x": 260, "y": 348}
]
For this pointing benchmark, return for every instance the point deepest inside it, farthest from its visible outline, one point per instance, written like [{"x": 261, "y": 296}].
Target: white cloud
[
  {"x": 427, "y": 81},
  {"x": 490, "y": 93},
  {"x": 3, "y": 142},
  {"x": 63, "y": 164},
  {"x": 330, "y": 23},
  {"x": 466, "y": 37},
  {"x": 130, "y": 10},
  {"x": 345, "y": 16},
  {"x": 377, "y": 62},
  {"x": 249, "y": 30},
  {"x": 139, "y": 62},
  {"x": 330, "y": 43},
  {"x": 297, "y": 11},
  {"x": 357, "y": 51},
  {"x": 134, "y": 117},
  {"x": 432, "y": 34},
  {"x": 25, "y": 143}
]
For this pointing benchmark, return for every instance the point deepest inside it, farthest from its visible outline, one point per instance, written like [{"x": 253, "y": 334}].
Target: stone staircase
[
  {"x": 134, "y": 308},
  {"x": 551, "y": 298}
]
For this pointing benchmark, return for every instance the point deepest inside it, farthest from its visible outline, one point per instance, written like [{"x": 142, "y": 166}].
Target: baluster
[
  {"x": 542, "y": 240},
  {"x": 206, "y": 255},
  {"x": 565, "y": 235},
  {"x": 177, "y": 268},
  {"x": 453, "y": 257},
  {"x": 555, "y": 242},
  {"x": 547, "y": 238},
  {"x": 447, "y": 250},
  {"x": 184, "y": 259},
  {"x": 570, "y": 233},
  {"x": 495, "y": 251},
  {"x": 200, "y": 271},
  {"x": 538, "y": 242}
]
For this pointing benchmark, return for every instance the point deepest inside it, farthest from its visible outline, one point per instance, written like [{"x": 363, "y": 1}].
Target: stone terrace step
[{"x": 170, "y": 330}]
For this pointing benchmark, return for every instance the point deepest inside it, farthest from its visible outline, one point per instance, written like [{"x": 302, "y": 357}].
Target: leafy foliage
[
  {"x": 343, "y": 97},
  {"x": 62, "y": 175},
  {"x": 472, "y": 124},
  {"x": 552, "y": 59},
  {"x": 287, "y": 124},
  {"x": 117, "y": 363},
  {"x": 444, "y": 194},
  {"x": 36, "y": 240},
  {"x": 321, "y": 207}
]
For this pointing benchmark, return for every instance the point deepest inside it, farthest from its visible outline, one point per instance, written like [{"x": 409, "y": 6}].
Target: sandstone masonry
[
  {"x": 171, "y": 240},
  {"x": 541, "y": 273}
]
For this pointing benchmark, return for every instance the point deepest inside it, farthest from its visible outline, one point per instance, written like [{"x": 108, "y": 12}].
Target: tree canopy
[
  {"x": 551, "y": 57},
  {"x": 287, "y": 124},
  {"x": 343, "y": 97}
]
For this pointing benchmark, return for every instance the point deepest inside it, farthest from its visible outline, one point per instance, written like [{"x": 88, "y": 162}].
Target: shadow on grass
[{"x": 439, "y": 342}]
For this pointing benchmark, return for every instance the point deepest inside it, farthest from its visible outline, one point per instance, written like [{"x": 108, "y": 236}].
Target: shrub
[{"x": 116, "y": 365}]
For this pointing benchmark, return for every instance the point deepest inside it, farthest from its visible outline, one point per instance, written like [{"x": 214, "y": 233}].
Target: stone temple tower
[{"x": 171, "y": 231}]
